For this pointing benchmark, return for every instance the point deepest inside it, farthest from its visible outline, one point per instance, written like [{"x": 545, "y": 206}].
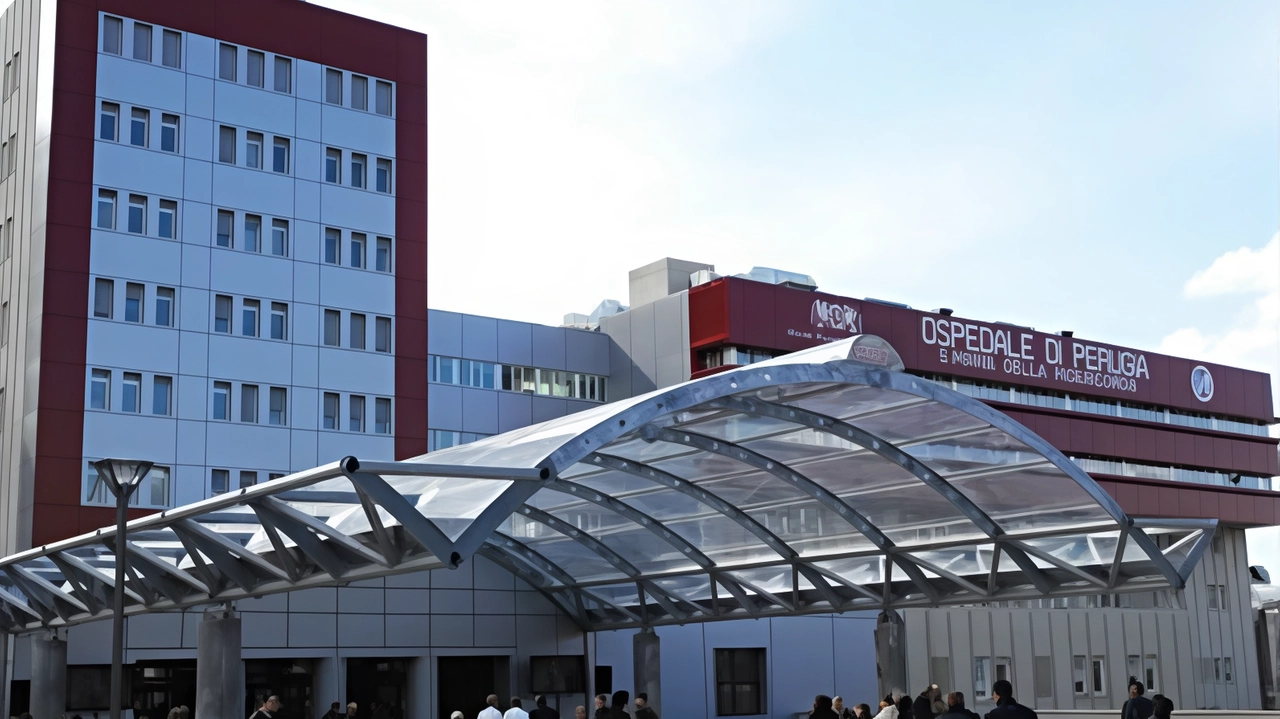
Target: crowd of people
[
  {"x": 618, "y": 707},
  {"x": 930, "y": 704}
]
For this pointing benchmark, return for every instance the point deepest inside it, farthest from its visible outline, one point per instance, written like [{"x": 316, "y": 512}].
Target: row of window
[
  {"x": 220, "y": 480},
  {"x": 249, "y": 403},
  {"x": 533, "y": 380},
  {"x": 251, "y": 317},
  {"x": 357, "y": 176},
  {"x": 255, "y": 68},
  {"x": 357, "y": 331},
  {"x": 1173, "y": 474},
  {"x": 139, "y": 132},
  {"x": 135, "y": 304},
  {"x": 445, "y": 438},
  {"x": 252, "y": 154},
  {"x": 154, "y": 492},
  {"x": 732, "y": 357},
  {"x": 138, "y": 217},
  {"x": 142, "y": 38},
  {"x": 352, "y": 90},
  {"x": 250, "y": 237},
  {"x": 130, "y": 392},
  {"x": 331, "y": 415}
]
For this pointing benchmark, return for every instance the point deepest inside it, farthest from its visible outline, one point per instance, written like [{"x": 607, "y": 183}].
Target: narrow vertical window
[
  {"x": 278, "y": 408},
  {"x": 256, "y": 69},
  {"x": 280, "y": 238},
  {"x": 279, "y": 321},
  {"x": 8, "y": 77},
  {"x": 332, "y": 165},
  {"x": 168, "y": 226},
  {"x": 4, "y": 324},
  {"x": 227, "y": 62},
  {"x": 249, "y": 318},
  {"x": 332, "y": 246},
  {"x": 141, "y": 42},
  {"x": 13, "y": 154},
  {"x": 357, "y": 249},
  {"x": 103, "y": 294},
  {"x": 8, "y": 238},
  {"x": 164, "y": 306},
  {"x": 384, "y": 98},
  {"x": 17, "y": 74},
  {"x": 227, "y": 145},
  {"x": 138, "y": 214},
  {"x": 172, "y": 51},
  {"x": 249, "y": 403},
  {"x": 222, "y": 400},
  {"x": 382, "y": 415},
  {"x": 382, "y": 334},
  {"x": 131, "y": 397},
  {"x": 382, "y": 259},
  {"x": 219, "y": 481},
  {"x": 1099, "y": 677},
  {"x": 100, "y": 389},
  {"x": 359, "y": 92},
  {"x": 358, "y": 163},
  {"x": 168, "y": 132},
  {"x": 283, "y": 74},
  {"x": 222, "y": 314},
  {"x": 332, "y": 328},
  {"x": 162, "y": 396},
  {"x": 384, "y": 176},
  {"x": 330, "y": 411},
  {"x": 253, "y": 150},
  {"x": 280, "y": 155},
  {"x": 226, "y": 224},
  {"x": 253, "y": 233},
  {"x": 109, "y": 122},
  {"x": 355, "y": 417},
  {"x": 333, "y": 86},
  {"x": 112, "y": 31},
  {"x": 138, "y": 127},
  {"x": 135, "y": 296},
  {"x": 357, "y": 331}
]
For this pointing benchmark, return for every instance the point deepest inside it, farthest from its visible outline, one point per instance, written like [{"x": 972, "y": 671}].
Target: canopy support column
[
  {"x": 48, "y": 675},
  {"x": 646, "y": 660},
  {"x": 891, "y": 653},
  {"x": 219, "y": 671}
]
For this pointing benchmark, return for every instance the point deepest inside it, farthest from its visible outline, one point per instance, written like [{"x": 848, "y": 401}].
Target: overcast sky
[{"x": 1106, "y": 168}]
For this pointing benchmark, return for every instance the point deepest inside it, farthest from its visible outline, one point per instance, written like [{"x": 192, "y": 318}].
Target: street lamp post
[{"x": 122, "y": 477}]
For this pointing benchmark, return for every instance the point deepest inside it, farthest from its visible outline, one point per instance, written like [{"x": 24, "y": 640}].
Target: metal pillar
[
  {"x": 48, "y": 676},
  {"x": 219, "y": 670},
  {"x": 891, "y": 653},
  {"x": 646, "y": 659}
]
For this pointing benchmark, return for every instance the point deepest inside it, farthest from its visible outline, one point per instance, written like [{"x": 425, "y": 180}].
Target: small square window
[
  {"x": 280, "y": 155},
  {"x": 227, "y": 62},
  {"x": 253, "y": 150},
  {"x": 355, "y": 417},
  {"x": 740, "y": 682},
  {"x": 382, "y": 334},
  {"x": 383, "y": 179},
  {"x": 359, "y": 92},
  {"x": 332, "y": 328},
  {"x": 222, "y": 314},
  {"x": 169, "y": 133},
  {"x": 256, "y": 69},
  {"x": 333, "y": 86},
  {"x": 279, "y": 404},
  {"x": 382, "y": 259},
  {"x": 172, "y": 56},
  {"x": 138, "y": 133},
  {"x": 141, "y": 42},
  {"x": 248, "y": 479},
  {"x": 226, "y": 225},
  {"x": 279, "y": 321},
  {"x": 384, "y": 98},
  {"x": 103, "y": 298},
  {"x": 253, "y": 233},
  {"x": 283, "y": 74},
  {"x": 162, "y": 396},
  {"x": 330, "y": 410},
  {"x": 357, "y": 250},
  {"x": 219, "y": 481},
  {"x": 249, "y": 318},
  {"x": 109, "y": 122},
  {"x": 106, "y": 209},
  {"x": 382, "y": 415},
  {"x": 332, "y": 246},
  {"x": 135, "y": 297},
  {"x": 280, "y": 238},
  {"x": 358, "y": 163},
  {"x": 168, "y": 227},
  {"x": 333, "y": 165},
  {"x": 227, "y": 145},
  {"x": 138, "y": 214},
  {"x": 164, "y": 306},
  {"x": 100, "y": 389},
  {"x": 112, "y": 30},
  {"x": 357, "y": 331},
  {"x": 249, "y": 403},
  {"x": 222, "y": 401},
  {"x": 131, "y": 397}
]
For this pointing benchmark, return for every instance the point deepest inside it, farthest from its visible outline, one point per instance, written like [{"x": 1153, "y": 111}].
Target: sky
[{"x": 1106, "y": 168}]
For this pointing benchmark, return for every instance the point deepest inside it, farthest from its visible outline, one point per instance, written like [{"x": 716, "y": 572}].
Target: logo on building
[
  {"x": 1202, "y": 383},
  {"x": 825, "y": 315}
]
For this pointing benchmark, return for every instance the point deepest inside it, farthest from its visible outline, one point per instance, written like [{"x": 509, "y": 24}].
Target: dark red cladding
[{"x": 289, "y": 27}]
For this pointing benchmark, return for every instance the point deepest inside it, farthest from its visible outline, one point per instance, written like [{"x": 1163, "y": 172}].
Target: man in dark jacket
[
  {"x": 923, "y": 706},
  {"x": 542, "y": 711},
  {"x": 955, "y": 708},
  {"x": 1138, "y": 706},
  {"x": 1006, "y": 707},
  {"x": 643, "y": 710},
  {"x": 335, "y": 711}
]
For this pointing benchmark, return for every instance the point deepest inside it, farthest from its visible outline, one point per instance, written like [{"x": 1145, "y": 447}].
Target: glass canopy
[{"x": 827, "y": 480}]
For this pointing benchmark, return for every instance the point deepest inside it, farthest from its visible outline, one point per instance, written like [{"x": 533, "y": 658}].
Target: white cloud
[{"x": 1246, "y": 270}]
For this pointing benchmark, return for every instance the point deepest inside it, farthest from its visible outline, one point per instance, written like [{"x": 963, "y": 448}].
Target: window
[
  {"x": 249, "y": 318},
  {"x": 280, "y": 155},
  {"x": 12, "y": 154},
  {"x": 4, "y": 324},
  {"x": 332, "y": 246},
  {"x": 248, "y": 479},
  {"x": 280, "y": 238},
  {"x": 112, "y": 30},
  {"x": 222, "y": 314},
  {"x": 1043, "y": 670},
  {"x": 445, "y": 438},
  {"x": 168, "y": 219},
  {"x": 382, "y": 258},
  {"x": 357, "y": 331},
  {"x": 384, "y": 98},
  {"x": 279, "y": 403},
  {"x": 222, "y": 400},
  {"x": 172, "y": 52},
  {"x": 249, "y": 403},
  {"x": 1217, "y": 669},
  {"x": 227, "y": 144},
  {"x": 158, "y": 478},
  {"x": 256, "y": 68},
  {"x": 284, "y": 73},
  {"x": 1078, "y": 675},
  {"x": 382, "y": 415},
  {"x": 134, "y": 298},
  {"x": 252, "y": 233},
  {"x": 164, "y": 306},
  {"x": 1227, "y": 672},
  {"x": 1217, "y": 597},
  {"x": 279, "y": 321},
  {"x": 357, "y": 249},
  {"x": 131, "y": 398},
  {"x": 740, "y": 682},
  {"x": 332, "y": 327},
  {"x": 109, "y": 122},
  {"x": 330, "y": 411},
  {"x": 162, "y": 395},
  {"x": 355, "y": 417},
  {"x": 138, "y": 214},
  {"x": 332, "y": 165},
  {"x": 17, "y": 73},
  {"x": 100, "y": 389},
  {"x": 219, "y": 481},
  {"x": 1099, "y": 676},
  {"x": 981, "y": 677},
  {"x": 333, "y": 86},
  {"x": 274, "y": 475},
  {"x": 106, "y": 209},
  {"x": 138, "y": 127},
  {"x": 383, "y": 178},
  {"x": 1004, "y": 669},
  {"x": 8, "y": 238},
  {"x": 253, "y": 150},
  {"x": 227, "y": 62},
  {"x": 358, "y": 163},
  {"x": 1149, "y": 672},
  {"x": 103, "y": 292},
  {"x": 141, "y": 42},
  {"x": 382, "y": 334},
  {"x": 8, "y": 77},
  {"x": 226, "y": 220},
  {"x": 168, "y": 132}
]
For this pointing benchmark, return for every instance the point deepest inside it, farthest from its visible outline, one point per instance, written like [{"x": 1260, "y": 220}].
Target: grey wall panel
[
  {"x": 490, "y": 576},
  {"x": 452, "y": 631},
  {"x": 940, "y": 646},
  {"x": 793, "y": 684},
  {"x": 681, "y": 687},
  {"x": 408, "y": 601},
  {"x": 1117, "y": 655},
  {"x": 962, "y": 656},
  {"x": 1061, "y": 651},
  {"x": 495, "y": 601},
  {"x": 534, "y": 603},
  {"x": 545, "y": 408},
  {"x": 444, "y": 406},
  {"x": 361, "y": 630},
  {"x": 586, "y": 352},
  {"x": 1023, "y": 657},
  {"x": 459, "y": 578},
  {"x": 322, "y": 599},
  {"x": 408, "y": 630},
  {"x": 548, "y": 347},
  {"x": 514, "y": 411},
  {"x": 89, "y": 643},
  {"x": 360, "y": 601},
  {"x": 619, "y": 372},
  {"x": 262, "y": 629},
  {"x": 269, "y": 603},
  {"x": 917, "y": 653},
  {"x": 416, "y": 580},
  {"x": 515, "y": 343},
  {"x": 312, "y": 630},
  {"x": 451, "y": 601},
  {"x": 154, "y": 631},
  {"x": 671, "y": 370},
  {"x": 479, "y": 410},
  {"x": 444, "y": 333},
  {"x": 646, "y": 360},
  {"x": 479, "y": 338},
  {"x": 495, "y": 631},
  {"x": 574, "y": 405}
]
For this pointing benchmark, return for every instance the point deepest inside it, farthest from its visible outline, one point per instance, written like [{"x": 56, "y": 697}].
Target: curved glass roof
[{"x": 826, "y": 480}]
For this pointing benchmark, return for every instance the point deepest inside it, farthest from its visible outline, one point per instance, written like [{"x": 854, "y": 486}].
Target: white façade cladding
[{"x": 220, "y": 291}]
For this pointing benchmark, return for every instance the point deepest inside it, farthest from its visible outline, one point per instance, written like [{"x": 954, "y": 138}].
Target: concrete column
[
  {"x": 48, "y": 676},
  {"x": 891, "y": 653},
  {"x": 219, "y": 671},
  {"x": 646, "y": 663}
]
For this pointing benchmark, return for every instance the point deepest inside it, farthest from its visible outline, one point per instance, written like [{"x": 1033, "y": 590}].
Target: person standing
[
  {"x": 1137, "y": 706},
  {"x": 888, "y": 708},
  {"x": 269, "y": 708},
  {"x": 490, "y": 711},
  {"x": 1006, "y": 707},
  {"x": 602, "y": 707},
  {"x": 842, "y": 711},
  {"x": 541, "y": 710},
  {"x": 643, "y": 710},
  {"x": 1162, "y": 707},
  {"x": 618, "y": 710},
  {"x": 335, "y": 711},
  {"x": 922, "y": 708},
  {"x": 822, "y": 708},
  {"x": 956, "y": 709},
  {"x": 580, "y": 712},
  {"x": 516, "y": 711},
  {"x": 352, "y": 708},
  {"x": 862, "y": 711}
]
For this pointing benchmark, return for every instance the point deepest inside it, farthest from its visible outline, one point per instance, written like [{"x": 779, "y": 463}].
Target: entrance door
[
  {"x": 289, "y": 679},
  {"x": 385, "y": 681},
  {"x": 462, "y": 683},
  {"x": 157, "y": 686}
]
